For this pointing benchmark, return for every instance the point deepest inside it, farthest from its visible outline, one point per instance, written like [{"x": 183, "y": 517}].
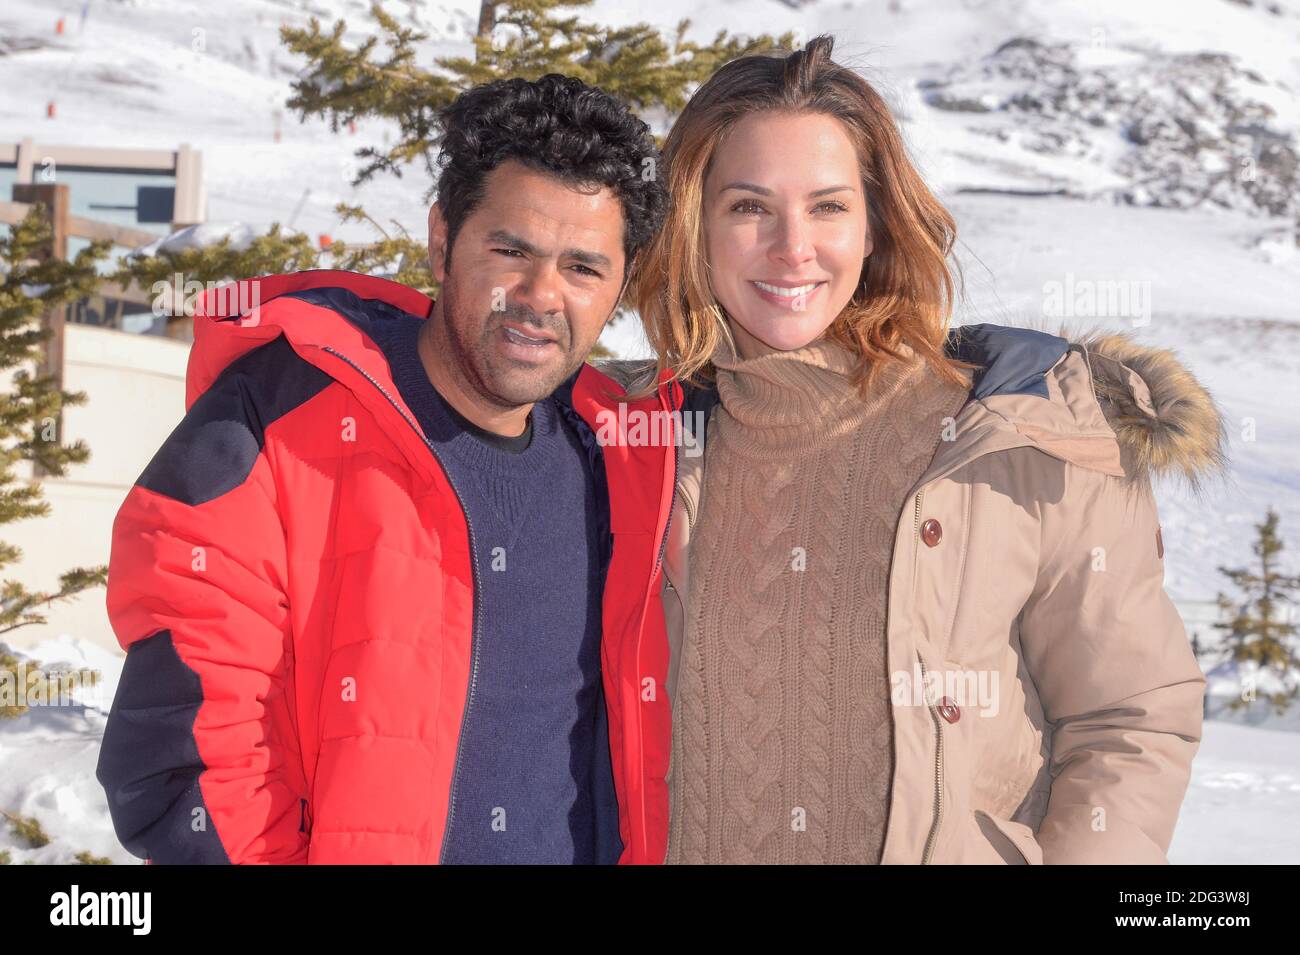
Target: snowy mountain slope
[
  {"x": 1173, "y": 131},
  {"x": 1073, "y": 84}
]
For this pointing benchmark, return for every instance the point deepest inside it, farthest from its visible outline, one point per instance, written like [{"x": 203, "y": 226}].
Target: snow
[
  {"x": 1231, "y": 682},
  {"x": 49, "y": 754},
  {"x": 1223, "y": 273},
  {"x": 200, "y": 236},
  {"x": 1243, "y": 799}
]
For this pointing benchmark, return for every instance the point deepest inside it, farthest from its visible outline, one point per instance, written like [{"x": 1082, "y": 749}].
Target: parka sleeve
[
  {"x": 200, "y": 758},
  {"x": 1116, "y": 675}
]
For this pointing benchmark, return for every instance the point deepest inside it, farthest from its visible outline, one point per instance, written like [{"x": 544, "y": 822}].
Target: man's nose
[{"x": 539, "y": 289}]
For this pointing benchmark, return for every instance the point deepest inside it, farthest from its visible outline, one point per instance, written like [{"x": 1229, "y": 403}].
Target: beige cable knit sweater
[{"x": 782, "y": 738}]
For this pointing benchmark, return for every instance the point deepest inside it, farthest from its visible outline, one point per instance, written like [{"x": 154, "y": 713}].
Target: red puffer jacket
[{"x": 292, "y": 581}]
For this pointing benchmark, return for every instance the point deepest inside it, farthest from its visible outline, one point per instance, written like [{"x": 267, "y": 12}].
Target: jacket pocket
[{"x": 1014, "y": 842}]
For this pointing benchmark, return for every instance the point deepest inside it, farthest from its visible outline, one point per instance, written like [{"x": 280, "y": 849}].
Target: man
[{"x": 385, "y": 597}]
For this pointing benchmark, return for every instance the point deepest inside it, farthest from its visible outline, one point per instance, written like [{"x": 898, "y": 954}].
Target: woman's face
[{"x": 785, "y": 228}]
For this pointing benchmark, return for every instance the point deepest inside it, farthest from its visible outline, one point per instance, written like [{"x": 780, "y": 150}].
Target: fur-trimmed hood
[{"x": 1161, "y": 414}]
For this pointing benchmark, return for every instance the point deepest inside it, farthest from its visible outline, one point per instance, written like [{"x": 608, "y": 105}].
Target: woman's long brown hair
[{"x": 905, "y": 292}]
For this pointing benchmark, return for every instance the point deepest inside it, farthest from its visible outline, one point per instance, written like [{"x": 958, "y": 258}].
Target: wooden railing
[{"x": 65, "y": 226}]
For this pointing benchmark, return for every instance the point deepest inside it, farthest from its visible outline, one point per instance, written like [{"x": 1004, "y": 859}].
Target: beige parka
[{"x": 1047, "y": 704}]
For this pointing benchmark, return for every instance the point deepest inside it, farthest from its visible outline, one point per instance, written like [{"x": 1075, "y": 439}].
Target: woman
[{"x": 913, "y": 584}]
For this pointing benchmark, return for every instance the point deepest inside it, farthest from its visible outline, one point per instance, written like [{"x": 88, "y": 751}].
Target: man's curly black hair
[{"x": 557, "y": 124}]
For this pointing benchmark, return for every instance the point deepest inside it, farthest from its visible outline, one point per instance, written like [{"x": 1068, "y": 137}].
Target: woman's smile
[{"x": 792, "y": 297}]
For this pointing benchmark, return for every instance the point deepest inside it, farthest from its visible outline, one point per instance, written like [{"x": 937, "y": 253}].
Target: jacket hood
[
  {"x": 1162, "y": 416},
  {"x": 1098, "y": 400},
  {"x": 1113, "y": 405},
  {"x": 324, "y": 315},
  {"x": 232, "y": 319}
]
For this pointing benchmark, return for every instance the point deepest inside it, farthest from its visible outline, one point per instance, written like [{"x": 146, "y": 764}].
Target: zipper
[
  {"x": 474, "y": 630},
  {"x": 916, "y": 525},
  {"x": 931, "y": 838},
  {"x": 916, "y": 536}
]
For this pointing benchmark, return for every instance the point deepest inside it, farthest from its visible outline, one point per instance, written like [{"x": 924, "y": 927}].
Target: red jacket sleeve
[{"x": 200, "y": 758}]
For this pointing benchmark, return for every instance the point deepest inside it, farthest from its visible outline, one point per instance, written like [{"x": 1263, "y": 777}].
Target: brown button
[
  {"x": 948, "y": 709},
  {"x": 931, "y": 532},
  {"x": 1160, "y": 545}
]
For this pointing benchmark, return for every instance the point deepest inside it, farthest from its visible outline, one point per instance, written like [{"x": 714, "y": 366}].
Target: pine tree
[
  {"x": 219, "y": 262},
  {"x": 27, "y": 828},
  {"x": 1260, "y": 628},
  {"x": 33, "y": 282},
  {"x": 382, "y": 79},
  {"x": 521, "y": 38}
]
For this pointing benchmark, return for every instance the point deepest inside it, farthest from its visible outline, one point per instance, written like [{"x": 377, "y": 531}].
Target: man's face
[{"x": 535, "y": 273}]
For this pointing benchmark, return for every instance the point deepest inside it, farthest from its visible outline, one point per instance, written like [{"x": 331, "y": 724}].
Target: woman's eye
[{"x": 748, "y": 206}]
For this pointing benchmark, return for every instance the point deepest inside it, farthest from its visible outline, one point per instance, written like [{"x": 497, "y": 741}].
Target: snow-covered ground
[
  {"x": 1074, "y": 141},
  {"x": 48, "y": 757},
  {"x": 1243, "y": 800}
]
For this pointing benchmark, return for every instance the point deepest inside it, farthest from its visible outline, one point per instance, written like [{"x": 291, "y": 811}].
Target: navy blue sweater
[{"x": 533, "y": 782}]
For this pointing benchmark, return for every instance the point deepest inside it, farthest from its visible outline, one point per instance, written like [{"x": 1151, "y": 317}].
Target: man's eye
[
  {"x": 508, "y": 251},
  {"x": 589, "y": 271}
]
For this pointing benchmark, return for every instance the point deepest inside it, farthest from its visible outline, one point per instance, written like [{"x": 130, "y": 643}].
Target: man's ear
[{"x": 437, "y": 243}]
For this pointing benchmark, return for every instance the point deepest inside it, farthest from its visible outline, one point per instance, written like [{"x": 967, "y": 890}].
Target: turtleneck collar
[{"x": 799, "y": 400}]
